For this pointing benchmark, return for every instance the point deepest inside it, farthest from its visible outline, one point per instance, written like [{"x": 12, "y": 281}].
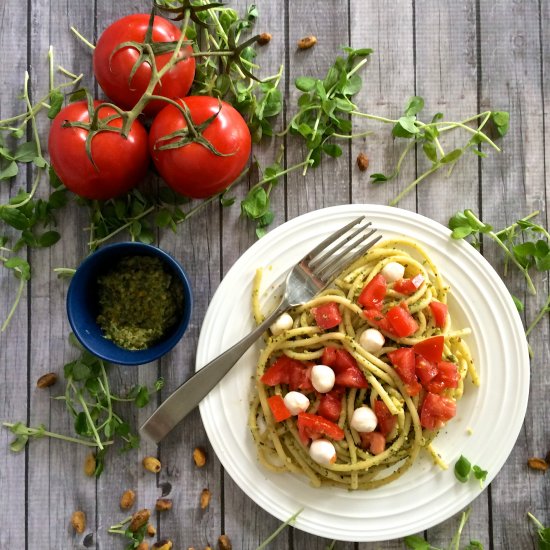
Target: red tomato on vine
[
  {"x": 119, "y": 163},
  {"x": 205, "y": 159},
  {"x": 113, "y": 68}
]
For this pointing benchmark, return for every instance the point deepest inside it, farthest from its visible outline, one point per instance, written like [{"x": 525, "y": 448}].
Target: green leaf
[
  {"x": 379, "y": 178},
  {"x": 55, "y": 182},
  {"x": 461, "y": 232},
  {"x": 474, "y": 545},
  {"x": 255, "y": 204},
  {"x": 416, "y": 543},
  {"x": 518, "y": 303},
  {"x": 353, "y": 85},
  {"x": 10, "y": 171},
  {"x": 332, "y": 150},
  {"x": 455, "y": 154},
  {"x": 227, "y": 201},
  {"x": 437, "y": 117},
  {"x": 142, "y": 398},
  {"x": 501, "y": 120},
  {"x": 80, "y": 371},
  {"x": 48, "y": 239},
  {"x": 305, "y": 83},
  {"x": 26, "y": 152},
  {"x": 405, "y": 127},
  {"x": 81, "y": 424},
  {"x": 56, "y": 103},
  {"x": 159, "y": 384},
  {"x": 163, "y": 218},
  {"x": 20, "y": 266},
  {"x": 18, "y": 444},
  {"x": 462, "y": 469},
  {"x": 430, "y": 151},
  {"x": 414, "y": 106},
  {"x": 479, "y": 473}
]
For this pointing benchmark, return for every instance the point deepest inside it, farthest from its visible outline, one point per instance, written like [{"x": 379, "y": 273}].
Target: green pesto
[{"x": 139, "y": 301}]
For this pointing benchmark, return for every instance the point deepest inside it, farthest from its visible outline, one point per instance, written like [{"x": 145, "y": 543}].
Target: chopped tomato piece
[
  {"x": 447, "y": 377},
  {"x": 330, "y": 405},
  {"x": 375, "y": 442},
  {"x": 351, "y": 377},
  {"x": 278, "y": 408},
  {"x": 329, "y": 356},
  {"x": 378, "y": 319},
  {"x": 386, "y": 420},
  {"x": 277, "y": 373},
  {"x": 372, "y": 296},
  {"x": 285, "y": 370},
  {"x": 314, "y": 426},
  {"x": 408, "y": 286},
  {"x": 338, "y": 359},
  {"x": 404, "y": 362},
  {"x": 401, "y": 322},
  {"x": 439, "y": 311},
  {"x": 327, "y": 315},
  {"x": 436, "y": 411},
  {"x": 430, "y": 348},
  {"x": 425, "y": 370}
]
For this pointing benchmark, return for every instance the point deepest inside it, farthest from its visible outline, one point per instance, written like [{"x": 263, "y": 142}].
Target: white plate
[{"x": 425, "y": 495}]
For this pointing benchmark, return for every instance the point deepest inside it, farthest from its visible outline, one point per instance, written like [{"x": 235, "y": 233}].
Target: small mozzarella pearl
[
  {"x": 393, "y": 272},
  {"x": 296, "y": 402},
  {"x": 322, "y": 451},
  {"x": 363, "y": 420},
  {"x": 322, "y": 378},
  {"x": 372, "y": 340},
  {"x": 284, "y": 322}
]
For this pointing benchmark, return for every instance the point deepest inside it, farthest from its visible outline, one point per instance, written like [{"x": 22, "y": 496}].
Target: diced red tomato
[
  {"x": 372, "y": 296},
  {"x": 401, "y": 322},
  {"x": 447, "y": 377},
  {"x": 436, "y": 411},
  {"x": 278, "y": 408},
  {"x": 338, "y": 359},
  {"x": 327, "y": 315},
  {"x": 314, "y": 426},
  {"x": 425, "y": 370},
  {"x": 386, "y": 420},
  {"x": 430, "y": 348},
  {"x": 375, "y": 442},
  {"x": 439, "y": 311},
  {"x": 330, "y": 405},
  {"x": 329, "y": 356},
  {"x": 378, "y": 319},
  {"x": 352, "y": 377},
  {"x": 403, "y": 360},
  {"x": 408, "y": 286},
  {"x": 285, "y": 370}
]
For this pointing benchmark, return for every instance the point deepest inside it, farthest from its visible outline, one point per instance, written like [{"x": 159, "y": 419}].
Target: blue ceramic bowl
[{"x": 83, "y": 304}]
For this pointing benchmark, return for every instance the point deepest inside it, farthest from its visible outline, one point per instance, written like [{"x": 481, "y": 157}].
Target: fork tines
[{"x": 342, "y": 248}]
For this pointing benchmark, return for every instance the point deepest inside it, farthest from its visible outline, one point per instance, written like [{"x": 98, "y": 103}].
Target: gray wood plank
[
  {"x": 13, "y": 341},
  {"x": 388, "y": 81},
  {"x": 447, "y": 78},
  {"x": 246, "y": 524},
  {"x": 513, "y": 186},
  {"x": 328, "y": 184},
  {"x": 56, "y": 476}
]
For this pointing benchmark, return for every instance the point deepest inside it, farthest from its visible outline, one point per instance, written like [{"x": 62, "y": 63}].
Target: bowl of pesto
[{"x": 129, "y": 303}]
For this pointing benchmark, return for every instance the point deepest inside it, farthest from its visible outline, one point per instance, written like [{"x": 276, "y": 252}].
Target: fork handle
[{"x": 183, "y": 400}]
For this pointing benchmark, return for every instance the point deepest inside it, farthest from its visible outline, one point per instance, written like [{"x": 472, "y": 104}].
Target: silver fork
[{"x": 313, "y": 273}]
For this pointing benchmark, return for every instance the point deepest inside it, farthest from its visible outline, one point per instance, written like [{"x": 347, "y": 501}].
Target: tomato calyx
[
  {"x": 191, "y": 133},
  {"x": 192, "y": 9},
  {"x": 148, "y": 49}
]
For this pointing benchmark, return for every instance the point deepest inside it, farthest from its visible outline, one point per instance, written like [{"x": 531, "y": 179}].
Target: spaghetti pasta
[{"x": 411, "y": 381}]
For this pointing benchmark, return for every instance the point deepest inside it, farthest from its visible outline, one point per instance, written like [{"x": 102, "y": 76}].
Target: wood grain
[{"x": 462, "y": 58}]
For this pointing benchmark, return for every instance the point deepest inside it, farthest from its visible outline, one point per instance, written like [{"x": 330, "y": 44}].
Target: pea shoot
[
  {"x": 463, "y": 470},
  {"x": 90, "y": 401}
]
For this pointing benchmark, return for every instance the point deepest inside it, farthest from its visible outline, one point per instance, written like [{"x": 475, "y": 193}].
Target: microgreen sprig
[
  {"x": 543, "y": 533},
  {"x": 463, "y": 470},
  {"x": 90, "y": 401},
  {"x": 417, "y": 542},
  {"x": 122, "y": 528}
]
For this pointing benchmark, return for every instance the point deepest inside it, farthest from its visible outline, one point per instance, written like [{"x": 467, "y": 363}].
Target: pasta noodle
[{"x": 405, "y": 423}]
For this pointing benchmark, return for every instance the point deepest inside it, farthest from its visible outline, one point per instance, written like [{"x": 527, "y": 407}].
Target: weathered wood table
[{"x": 462, "y": 58}]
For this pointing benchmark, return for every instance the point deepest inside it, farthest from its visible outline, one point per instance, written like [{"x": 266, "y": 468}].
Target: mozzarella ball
[
  {"x": 322, "y": 451},
  {"x": 372, "y": 340},
  {"x": 393, "y": 272},
  {"x": 322, "y": 378},
  {"x": 296, "y": 402},
  {"x": 284, "y": 322},
  {"x": 363, "y": 420}
]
